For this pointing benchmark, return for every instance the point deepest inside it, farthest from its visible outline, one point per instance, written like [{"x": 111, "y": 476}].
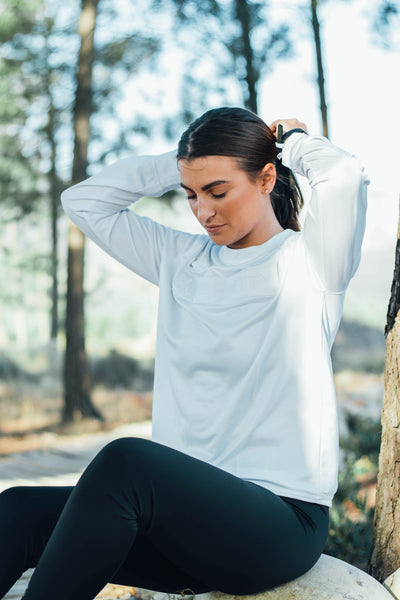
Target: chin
[{"x": 219, "y": 242}]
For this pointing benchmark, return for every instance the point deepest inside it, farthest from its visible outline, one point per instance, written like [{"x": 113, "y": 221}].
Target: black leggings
[{"x": 145, "y": 515}]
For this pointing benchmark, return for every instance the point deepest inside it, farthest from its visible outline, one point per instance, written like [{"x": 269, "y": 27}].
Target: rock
[
  {"x": 393, "y": 583},
  {"x": 329, "y": 579}
]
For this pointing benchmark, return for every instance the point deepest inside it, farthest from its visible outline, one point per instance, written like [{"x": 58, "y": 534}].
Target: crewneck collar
[{"x": 241, "y": 255}]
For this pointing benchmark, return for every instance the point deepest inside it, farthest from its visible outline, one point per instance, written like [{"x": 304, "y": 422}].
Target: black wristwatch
[{"x": 282, "y": 137}]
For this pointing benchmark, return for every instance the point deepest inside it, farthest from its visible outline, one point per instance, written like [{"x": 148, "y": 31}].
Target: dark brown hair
[{"x": 241, "y": 134}]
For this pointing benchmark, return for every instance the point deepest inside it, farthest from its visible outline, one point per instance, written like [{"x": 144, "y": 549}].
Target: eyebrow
[{"x": 207, "y": 186}]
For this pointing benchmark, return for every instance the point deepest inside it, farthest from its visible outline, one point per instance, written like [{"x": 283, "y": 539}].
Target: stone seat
[{"x": 329, "y": 579}]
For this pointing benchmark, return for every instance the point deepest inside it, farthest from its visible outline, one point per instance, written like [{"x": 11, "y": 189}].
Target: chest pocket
[{"x": 226, "y": 286}]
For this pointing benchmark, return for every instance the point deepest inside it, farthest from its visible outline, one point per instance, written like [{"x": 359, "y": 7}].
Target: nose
[{"x": 204, "y": 210}]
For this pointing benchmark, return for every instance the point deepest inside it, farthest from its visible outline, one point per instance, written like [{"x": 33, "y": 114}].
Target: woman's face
[{"x": 234, "y": 210}]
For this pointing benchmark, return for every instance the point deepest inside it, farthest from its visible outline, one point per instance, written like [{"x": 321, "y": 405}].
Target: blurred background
[{"x": 152, "y": 67}]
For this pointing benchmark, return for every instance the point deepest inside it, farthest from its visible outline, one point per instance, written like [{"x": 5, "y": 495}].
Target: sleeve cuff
[
  {"x": 167, "y": 171},
  {"x": 292, "y": 143}
]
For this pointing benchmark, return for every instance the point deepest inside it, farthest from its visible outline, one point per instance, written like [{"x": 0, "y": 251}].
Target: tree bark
[
  {"x": 77, "y": 401},
  {"x": 320, "y": 68},
  {"x": 385, "y": 551},
  {"x": 252, "y": 76}
]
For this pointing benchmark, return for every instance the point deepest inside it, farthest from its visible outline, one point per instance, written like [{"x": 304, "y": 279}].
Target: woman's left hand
[{"x": 287, "y": 125}]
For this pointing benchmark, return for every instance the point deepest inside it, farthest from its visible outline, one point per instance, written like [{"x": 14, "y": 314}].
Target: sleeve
[
  {"x": 99, "y": 207},
  {"x": 334, "y": 225}
]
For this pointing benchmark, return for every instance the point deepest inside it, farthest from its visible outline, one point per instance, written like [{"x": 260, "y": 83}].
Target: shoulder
[{"x": 178, "y": 241}]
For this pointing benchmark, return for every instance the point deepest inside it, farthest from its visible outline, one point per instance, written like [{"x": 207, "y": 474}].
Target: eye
[
  {"x": 219, "y": 195},
  {"x": 191, "y": 197}
]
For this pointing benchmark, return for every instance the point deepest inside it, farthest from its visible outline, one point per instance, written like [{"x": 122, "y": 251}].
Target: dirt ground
[{"x": 30, "y": 420}]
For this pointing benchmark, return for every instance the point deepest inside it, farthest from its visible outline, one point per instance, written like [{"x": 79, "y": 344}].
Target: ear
[{"x": 267, "y": 178}]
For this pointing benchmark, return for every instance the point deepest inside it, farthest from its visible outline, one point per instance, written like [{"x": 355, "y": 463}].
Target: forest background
[{"x": 156, "y": 65}]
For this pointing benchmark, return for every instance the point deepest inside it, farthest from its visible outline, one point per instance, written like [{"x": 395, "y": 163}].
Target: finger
[{"x": 287, "y": 124}]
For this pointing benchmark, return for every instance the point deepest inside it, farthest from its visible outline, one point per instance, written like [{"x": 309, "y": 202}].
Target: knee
[
  {"x": 122, "y": 449},
  {"x": 118, "y": 466},
  {"x": 119, "y": 456},
  {"x": 127, "y": 444}
]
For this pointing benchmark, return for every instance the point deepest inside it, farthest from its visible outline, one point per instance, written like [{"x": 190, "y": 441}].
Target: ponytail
[{"x": 286, "y": 197}]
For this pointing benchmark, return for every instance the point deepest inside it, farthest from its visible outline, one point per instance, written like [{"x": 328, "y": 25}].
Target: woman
[{"x": 233, "y": 492}]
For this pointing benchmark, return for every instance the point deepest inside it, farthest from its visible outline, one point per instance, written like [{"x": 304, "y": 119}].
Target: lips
[{"x": 214, "y": 228}]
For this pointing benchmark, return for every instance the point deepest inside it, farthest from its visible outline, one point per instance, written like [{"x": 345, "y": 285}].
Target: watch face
[{"x": 279, "y": 137}]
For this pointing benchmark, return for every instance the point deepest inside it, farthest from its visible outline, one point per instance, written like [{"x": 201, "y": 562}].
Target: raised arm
[
  {"x": 335, "y": 220},
  {"x": 99, "y": 207}
]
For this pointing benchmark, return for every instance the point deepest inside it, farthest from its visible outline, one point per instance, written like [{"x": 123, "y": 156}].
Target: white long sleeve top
[{"x": 243, "y": 374}]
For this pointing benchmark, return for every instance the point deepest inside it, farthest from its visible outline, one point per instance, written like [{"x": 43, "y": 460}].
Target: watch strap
[{"x": 289, "y": 133}]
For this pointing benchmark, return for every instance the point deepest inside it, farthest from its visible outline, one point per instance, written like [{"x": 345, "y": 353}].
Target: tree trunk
[
  {"x": 54, "y": 204},
  {"x": 54, "y": 188},
  {"x": 385, "y": 551},
  {"x": 77, "y": 378},
  {"x": 251, "y": 77},
  {"x": 321, "y": 79}
]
